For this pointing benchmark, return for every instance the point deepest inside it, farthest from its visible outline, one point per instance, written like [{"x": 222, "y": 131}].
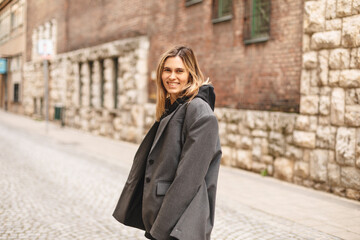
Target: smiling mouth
[{"x": 173, "y": 84}]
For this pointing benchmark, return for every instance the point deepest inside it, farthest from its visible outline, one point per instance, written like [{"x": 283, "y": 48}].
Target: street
[{"x": 58, "y": 186}]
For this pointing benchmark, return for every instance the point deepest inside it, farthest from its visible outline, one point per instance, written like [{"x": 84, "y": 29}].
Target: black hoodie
[{"x": 206, "y": 93}]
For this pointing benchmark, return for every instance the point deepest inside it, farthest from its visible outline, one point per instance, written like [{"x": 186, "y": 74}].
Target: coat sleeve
[{"x": 197, "y": 153}]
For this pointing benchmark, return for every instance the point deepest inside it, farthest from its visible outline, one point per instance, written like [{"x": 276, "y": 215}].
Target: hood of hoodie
[{"x": 206, "y": 93}]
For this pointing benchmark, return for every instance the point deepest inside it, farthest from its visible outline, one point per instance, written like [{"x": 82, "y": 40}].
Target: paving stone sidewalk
[{"x": 64, "y": 184}]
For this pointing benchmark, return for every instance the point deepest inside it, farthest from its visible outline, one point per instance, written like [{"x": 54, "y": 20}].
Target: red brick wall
[
  {"x": 263, "y": 76},
  {"x": 41, "y": 11},
  {"x": 95, "y": 22}
]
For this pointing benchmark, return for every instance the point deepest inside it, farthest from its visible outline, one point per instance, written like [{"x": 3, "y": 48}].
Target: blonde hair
[{"x": 196, "y": 77}]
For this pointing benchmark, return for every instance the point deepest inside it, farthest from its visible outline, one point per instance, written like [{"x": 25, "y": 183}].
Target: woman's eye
[
  {"x": 180, "y": 71},
  {"x": 166, "y": 70}
]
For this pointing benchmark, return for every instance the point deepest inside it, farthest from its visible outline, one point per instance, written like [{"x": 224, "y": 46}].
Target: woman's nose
[{"x": 172, "y": 76}]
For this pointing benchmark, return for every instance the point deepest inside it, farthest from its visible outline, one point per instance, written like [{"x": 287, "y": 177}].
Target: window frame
[
  {"x": 5, "y": 25},
  {"x": 218, "y": 8},
  {"x": 12, "y": 20},
  {"x": 80, "y": 84},
  {"x": 249, "y": 23},
  {"x": 102, "y": 83},
  {"x": 189, "y": 3},
  {"x": 16, "y": 15},
  {"x": 91, "y": 67},
  {"x": 16, "y": 94},
  {"x": 115, "y": 81}
]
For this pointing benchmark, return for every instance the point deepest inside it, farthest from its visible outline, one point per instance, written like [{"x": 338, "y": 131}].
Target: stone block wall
[
  {"x": 33, "y": 89},
  {"x": 103, "y": 89},
  {"x": 320, "y": 147}
]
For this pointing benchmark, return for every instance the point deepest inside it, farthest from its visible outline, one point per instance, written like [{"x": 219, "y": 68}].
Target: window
[
  {"x": 222, "y": 10},
  {"x": 91, "y": 66},
  {"x": 4, "y": 24},
  {"x": 57, "y": 113},
  {"x": 35, "y": 106},
  {"x": 41, "y": 106},
  {"x": 115, "y": 81},
  {"x": 16, "y": 92},
  {"x": 15, "y": 64},
  {"x": 102, "y": 82},
  {"x": 80, "y": 84},
  {"x": 256, "y": 21},
  {"x": 191, "y": 2},
  {"x": 16, "y": 16},
  {"x": 13, "y": 20}
]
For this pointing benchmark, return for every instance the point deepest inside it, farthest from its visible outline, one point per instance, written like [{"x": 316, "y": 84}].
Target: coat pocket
[
  {"x": 162, "y": 187},
  {"x": 195, "y": 223}
]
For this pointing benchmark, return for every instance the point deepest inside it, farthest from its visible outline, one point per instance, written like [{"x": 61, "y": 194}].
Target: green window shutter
[
  {"x": 225, "y": 7},
  {"x": 256, "y": 21},
  {"x": 222, "y": 10},
  {"x": 57, "y": 113},
  {"x": 261, "y": 21}
]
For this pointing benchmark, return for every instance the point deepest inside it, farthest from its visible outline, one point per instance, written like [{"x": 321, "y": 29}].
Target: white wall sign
[{"x": 45, "y": 48}]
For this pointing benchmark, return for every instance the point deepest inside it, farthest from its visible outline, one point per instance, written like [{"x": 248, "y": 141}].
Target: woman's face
[{"x": 174, "y": 76}]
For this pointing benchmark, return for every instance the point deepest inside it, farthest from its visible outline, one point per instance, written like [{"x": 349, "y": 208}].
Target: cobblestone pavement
[{"x": 50, "y": 190}]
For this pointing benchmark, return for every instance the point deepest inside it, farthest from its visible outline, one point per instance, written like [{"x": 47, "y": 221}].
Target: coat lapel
[{"x": 163, "y": 123}]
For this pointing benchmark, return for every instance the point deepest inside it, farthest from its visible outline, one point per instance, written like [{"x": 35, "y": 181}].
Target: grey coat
[{"x": 171, "y": 187}]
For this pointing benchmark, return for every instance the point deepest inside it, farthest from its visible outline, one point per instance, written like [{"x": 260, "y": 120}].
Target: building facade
[
  {"x": 12, "y": 51},
  {"x": 251, "y": 73},
  {"x": 286, "y": 74}
]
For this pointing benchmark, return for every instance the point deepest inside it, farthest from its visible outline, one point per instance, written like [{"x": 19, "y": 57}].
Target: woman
[{"x": 171, "y": 188}]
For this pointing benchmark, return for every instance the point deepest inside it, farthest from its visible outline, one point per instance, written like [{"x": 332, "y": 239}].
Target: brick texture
[{"x": 263, "y": 76}]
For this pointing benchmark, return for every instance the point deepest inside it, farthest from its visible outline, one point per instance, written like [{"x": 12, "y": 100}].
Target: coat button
[
  {"x": 151, "y": 161},
  {"x": 147, "y": 179}
]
